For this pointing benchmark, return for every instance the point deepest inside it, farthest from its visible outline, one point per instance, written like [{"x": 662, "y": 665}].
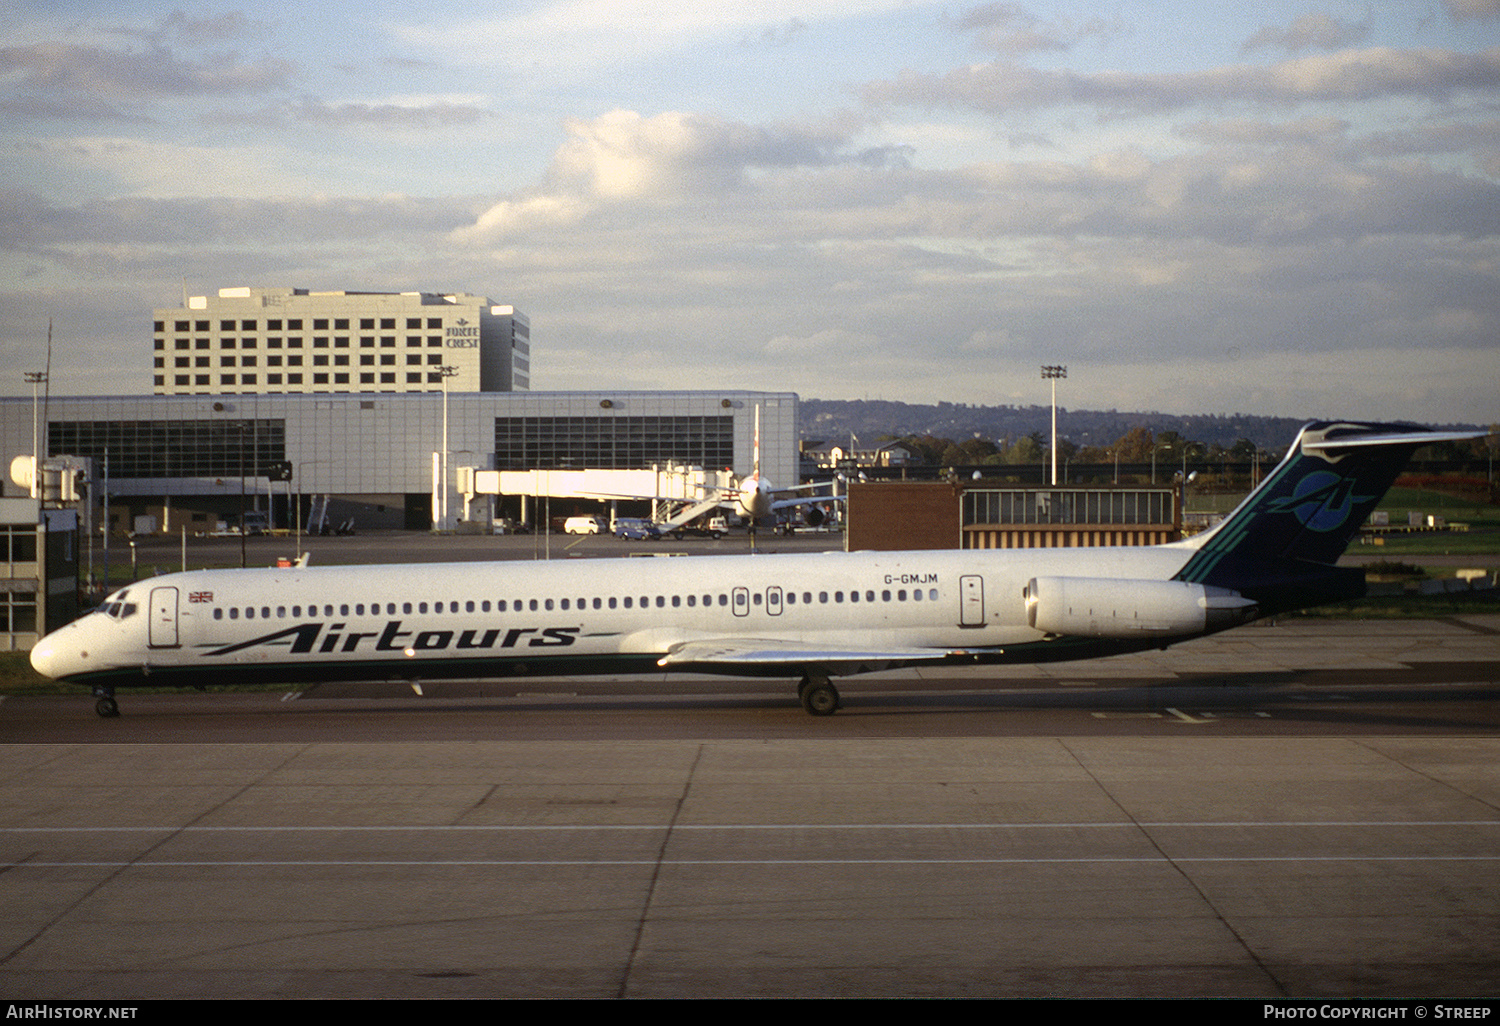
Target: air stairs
[{"x": 685, "y": 514}]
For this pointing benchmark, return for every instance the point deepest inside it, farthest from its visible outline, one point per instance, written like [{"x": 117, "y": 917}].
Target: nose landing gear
[{"x": 106, "y": 707}]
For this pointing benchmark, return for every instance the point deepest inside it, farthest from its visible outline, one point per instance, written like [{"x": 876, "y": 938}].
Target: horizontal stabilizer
[{"x": 1417, "y": 438}]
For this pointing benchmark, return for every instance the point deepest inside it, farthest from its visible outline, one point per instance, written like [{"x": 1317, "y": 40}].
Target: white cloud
[
  {"x": 625, "y": 157},
  {"x": 565, "y": 35},
  {"x": 1309, "y": 32},
  {"x": 151, "y": 169},
  {"x": 93, "y": 71},
  {"x": 1475, "y": 10},
  {"x": 831, "y": 343},
  {"x": 1349, "y": 75},
  {"x": 512, "y": 217},
  {"x": 1009, "y": 28},
  {"x": 391, "y": 114}
]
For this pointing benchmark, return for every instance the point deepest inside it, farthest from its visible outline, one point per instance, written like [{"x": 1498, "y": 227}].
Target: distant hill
[{"x": 868, "y": 419}]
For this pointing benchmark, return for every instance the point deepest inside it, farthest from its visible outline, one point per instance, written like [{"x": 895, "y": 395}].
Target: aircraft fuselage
[{"x": 430, "y": 621}]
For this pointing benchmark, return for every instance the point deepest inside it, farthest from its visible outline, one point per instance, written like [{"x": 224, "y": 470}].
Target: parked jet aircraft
[
  {"x": 812, "y": 617},
  {"x": 751, "y": 497},
  {"x": 756, "y": 497}
]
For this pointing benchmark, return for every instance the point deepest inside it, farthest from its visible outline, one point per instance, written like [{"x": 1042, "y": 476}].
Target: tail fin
[
  {"x": 757, "y": 442},
  {"x": 1298, "y": 523}
]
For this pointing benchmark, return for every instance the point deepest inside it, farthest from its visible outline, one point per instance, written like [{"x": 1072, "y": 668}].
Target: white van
[{"x": 582, "y": 525}]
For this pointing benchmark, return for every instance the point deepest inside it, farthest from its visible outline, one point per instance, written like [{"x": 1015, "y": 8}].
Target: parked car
[
  {"x": 636, "y": 529},
  {"x": 713, "y": 527},
  {"x": 582, "y": 525}
]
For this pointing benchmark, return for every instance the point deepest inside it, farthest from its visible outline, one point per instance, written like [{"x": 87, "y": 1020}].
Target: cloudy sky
[{"x": 1273, "y": 208}]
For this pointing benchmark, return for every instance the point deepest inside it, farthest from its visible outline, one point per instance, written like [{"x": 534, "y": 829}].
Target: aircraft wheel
[
  {"x": 819, "y": 698},
  {"x": 107, "y": 708}
]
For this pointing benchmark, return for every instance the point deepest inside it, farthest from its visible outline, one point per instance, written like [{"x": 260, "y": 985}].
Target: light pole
[
  {"x": 1051, "y": 372},
  {"x": 243, "y": 556},
  {"x": 35, "y": 378},
  {"x": 447, "y": 372}
]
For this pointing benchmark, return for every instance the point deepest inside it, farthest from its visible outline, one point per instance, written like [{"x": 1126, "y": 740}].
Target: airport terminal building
[{"x": 185, "y": 460}]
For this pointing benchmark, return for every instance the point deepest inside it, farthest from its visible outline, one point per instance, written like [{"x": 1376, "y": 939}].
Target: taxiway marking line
[
  {"x": 680, "y": 827},
  {"x": 440, "y": 864}
]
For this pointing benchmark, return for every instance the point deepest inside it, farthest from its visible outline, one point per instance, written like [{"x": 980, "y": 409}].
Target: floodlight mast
[
  {"x": 35, "y": 379},
  {"x": 1051, "y": 372}
]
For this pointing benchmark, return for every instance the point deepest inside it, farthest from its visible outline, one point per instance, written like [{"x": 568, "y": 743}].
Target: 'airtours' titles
[{"x": 304, "y": 638}]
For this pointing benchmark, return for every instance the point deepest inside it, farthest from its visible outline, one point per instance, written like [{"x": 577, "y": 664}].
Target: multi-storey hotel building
[{"x": 265, "y": 341}]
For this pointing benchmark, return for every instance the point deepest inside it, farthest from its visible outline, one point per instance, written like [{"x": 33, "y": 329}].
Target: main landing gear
[
  {"x": 819, "y": 696},
  {"x": 106, "y": 707}
]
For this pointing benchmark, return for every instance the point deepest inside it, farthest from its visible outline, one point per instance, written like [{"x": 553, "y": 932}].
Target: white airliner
[
  {"x": 812, "y": 617},
  {"x": 752, "y": 497},
  {"x": 756, "y": 498}
]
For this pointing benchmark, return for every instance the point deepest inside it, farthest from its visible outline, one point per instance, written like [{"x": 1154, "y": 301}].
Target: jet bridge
[{"x": 679, "y": 493}]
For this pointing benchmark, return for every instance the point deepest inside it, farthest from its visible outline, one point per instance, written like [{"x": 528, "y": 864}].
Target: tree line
[{"x": 1138, "y": 445}]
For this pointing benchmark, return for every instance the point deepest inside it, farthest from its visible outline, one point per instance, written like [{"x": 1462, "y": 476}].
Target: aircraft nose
[
  {"x": 43, "y": 654},
  {"x": 58, "y": 654}
]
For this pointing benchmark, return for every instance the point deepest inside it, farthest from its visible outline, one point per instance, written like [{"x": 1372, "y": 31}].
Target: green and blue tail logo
[{"x": 1322, "y": 501}]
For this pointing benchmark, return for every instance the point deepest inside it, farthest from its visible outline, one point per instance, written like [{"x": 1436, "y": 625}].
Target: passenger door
[
  {"x": 162, "y": 627},
  {"x": 971, "y": 601}
]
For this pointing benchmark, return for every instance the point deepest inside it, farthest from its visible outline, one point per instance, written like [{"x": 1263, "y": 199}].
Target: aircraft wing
[
  {"x": 806, "y": 500},
  {"x": 750, "y": 653}
]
